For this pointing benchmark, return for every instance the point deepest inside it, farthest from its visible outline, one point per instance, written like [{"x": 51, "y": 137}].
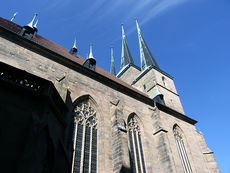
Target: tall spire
[
  {"x": 145, "y": 54},
  {"x": 126, "y": 57},
  {"x": 112, "y": 66}
]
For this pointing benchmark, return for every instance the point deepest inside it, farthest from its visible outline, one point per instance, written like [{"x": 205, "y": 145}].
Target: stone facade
[{"x": 114, "y": 104}]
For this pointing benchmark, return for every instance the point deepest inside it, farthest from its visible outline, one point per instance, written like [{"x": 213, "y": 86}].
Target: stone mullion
[
  {"x": 186, "y": 157},
  {"x": 183, "y": 154},
  {"x": 90, "y": 148},
  {"x": 180, "y": 153},
  {"x": 94, "y": 146},
  {"x": 134, "y": 150},
  {"x": 142, "y": 153},
  {"x": 83, "y": 147},
  {"x": 139, "y": 152},
  {"x": 74, "y": 146}
]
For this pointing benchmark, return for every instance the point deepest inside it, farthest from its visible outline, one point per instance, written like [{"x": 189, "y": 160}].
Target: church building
[{"x": 60, "y": 112}]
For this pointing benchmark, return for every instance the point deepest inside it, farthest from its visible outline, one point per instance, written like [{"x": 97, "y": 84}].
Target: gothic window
[
  {"x": 84, "y": 139},
  {"x": 136, "y": 149},
  {"x": 181, "y": 148}
]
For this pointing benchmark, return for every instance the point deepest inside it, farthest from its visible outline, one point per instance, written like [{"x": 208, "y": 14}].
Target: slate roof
[
  {"x": 13, "y": 27},
  {"x": 120, "y": 85},
  {"x": 126, "y": 57},
  {"x": 145, "y": 54}
]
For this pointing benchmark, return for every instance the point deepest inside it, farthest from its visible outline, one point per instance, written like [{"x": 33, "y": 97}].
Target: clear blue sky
[{"x": 190, "y": 39}]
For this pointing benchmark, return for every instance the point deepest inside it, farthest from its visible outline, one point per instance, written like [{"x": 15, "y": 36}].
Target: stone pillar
[
  {"x": 208, "y": 155},
  {"x": 120, "y": 156},
  {"x": 162, "y": 144}
]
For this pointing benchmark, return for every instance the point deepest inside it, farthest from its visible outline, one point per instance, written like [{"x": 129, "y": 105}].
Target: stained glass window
[
  {"x": 85, "y": 139},
  {"x": 136, "y": 149},
  {"x": 181, "y": 149}
]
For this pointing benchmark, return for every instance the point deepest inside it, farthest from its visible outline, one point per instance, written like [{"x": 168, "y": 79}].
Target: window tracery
[
  {"x": 136, "y": 149},
  {"x": 85, "y": 138},
  {"x": 181, "y": 149}
]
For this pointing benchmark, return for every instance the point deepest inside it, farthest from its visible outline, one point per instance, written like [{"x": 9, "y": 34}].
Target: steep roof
[
  {"x": 51, "y": 46},
  {"x": 78, "y": 61}
]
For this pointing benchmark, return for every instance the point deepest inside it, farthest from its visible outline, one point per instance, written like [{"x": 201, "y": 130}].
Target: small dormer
[
  {"x": 90, "y": 61},
  {"x": 29, "y": 31},
  {"x": 157, "y": 96},
  {"x": 73, "y": 51}
]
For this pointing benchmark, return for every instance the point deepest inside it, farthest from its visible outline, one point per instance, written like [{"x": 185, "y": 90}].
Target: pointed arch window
[
  {"x": 84, "y": 138},
  {"x": 136, "y": 149},
  {"x": 181, "y": 149}
]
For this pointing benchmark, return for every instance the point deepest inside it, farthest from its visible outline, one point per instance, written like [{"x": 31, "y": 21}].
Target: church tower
[
  {"x": 92, "y": 121},
  {"x": 177, "y": 150},
  {"x": 129, "y": 70},
  {"x": 150, "y": 79}
]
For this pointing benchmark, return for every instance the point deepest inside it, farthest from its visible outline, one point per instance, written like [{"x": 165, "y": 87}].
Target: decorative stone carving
[
  {"x": 85, "y": 114},
  {"x": 133, "y": 125}
]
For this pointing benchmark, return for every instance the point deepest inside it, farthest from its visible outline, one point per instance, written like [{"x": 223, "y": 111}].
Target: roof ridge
[{"x": 56, "y": 48}]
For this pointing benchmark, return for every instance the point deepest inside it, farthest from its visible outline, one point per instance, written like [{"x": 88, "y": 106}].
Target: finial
[
  {"x": 123, "y": 32},
  {"x": 138, "y": 28},
  {"x": 75, "y": 44},
  {"x": 112, "y": 66},
  {"x": 15, "y": 14},
  {"x": 112, "y": 59},
  {"x": 91, "y": 51},
  {"x": 36, "y": 23},
  {"x": 31, "y": 23}
]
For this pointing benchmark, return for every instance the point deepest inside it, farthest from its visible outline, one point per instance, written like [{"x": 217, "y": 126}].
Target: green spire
[
  {"x": 126, "y": 57},
  {"x": 145, "y": 54}
]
